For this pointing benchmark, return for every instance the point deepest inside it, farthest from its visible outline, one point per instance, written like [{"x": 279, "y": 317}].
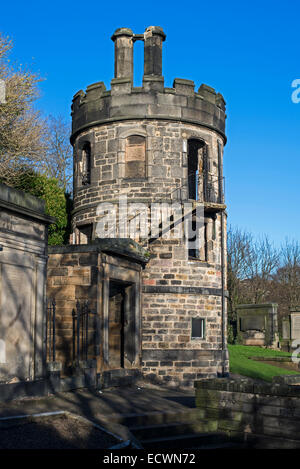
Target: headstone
[
  {"x": 253, "y": 323},
  {"x": 257, "y": 324},
  {"x": 286, "y": 329},
  {"x": 295, "y": 325}
]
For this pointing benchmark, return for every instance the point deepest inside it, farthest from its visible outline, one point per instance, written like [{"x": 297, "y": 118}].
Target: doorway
[
  {"x": 121, "y": 324},
  {"x": 116, "y": 325}
]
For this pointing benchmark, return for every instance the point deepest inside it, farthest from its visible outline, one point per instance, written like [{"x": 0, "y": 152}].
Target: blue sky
[{"x": 248, "y": 51}]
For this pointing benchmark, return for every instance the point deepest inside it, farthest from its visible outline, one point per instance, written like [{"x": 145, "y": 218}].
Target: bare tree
[
  {"x": 259, "y": 272},
  {"x": 58, "y": 162},
  {"x": 239, "y": 244},
  {"x": 251, "y": 265},
  {"x": 22, "y": 129},
  {"x": 262, "y": 262},
  {"x": 288, "y": 275}
]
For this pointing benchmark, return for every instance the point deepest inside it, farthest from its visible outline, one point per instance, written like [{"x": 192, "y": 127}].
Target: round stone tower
[{"x": 157, "y": 145}]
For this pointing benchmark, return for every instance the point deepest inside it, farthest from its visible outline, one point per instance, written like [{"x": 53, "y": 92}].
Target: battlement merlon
[
  {"x": 151, "y": 101},
  {"x": 100, "y": 106}
]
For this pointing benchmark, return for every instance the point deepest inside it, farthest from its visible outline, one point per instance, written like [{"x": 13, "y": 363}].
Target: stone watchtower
[{"x": 160, "y": 145}]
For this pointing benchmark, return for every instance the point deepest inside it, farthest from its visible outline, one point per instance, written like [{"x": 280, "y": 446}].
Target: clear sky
[{"x": 247, "y": 50}]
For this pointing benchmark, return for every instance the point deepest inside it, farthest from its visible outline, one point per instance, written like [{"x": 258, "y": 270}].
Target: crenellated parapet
[{"x": 153, "y": 100}]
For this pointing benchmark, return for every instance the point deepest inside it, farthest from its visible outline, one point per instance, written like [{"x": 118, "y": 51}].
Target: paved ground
[
  {"x": 107, "y": 403},
  {"x": 105, "y": 408}
]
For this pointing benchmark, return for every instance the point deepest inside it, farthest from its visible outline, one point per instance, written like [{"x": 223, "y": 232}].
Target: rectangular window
[{"x": 198, "y": 328}]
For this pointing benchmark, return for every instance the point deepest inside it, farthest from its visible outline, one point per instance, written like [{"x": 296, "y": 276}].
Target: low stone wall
[
  {"x": 53, "y": 383},
  {"x": 264, "y": 415}
]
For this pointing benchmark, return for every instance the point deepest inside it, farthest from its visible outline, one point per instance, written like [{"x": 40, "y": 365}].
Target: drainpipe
[
  {"x": 221, "y": 200},
  {"x": 224, "y": 348}
]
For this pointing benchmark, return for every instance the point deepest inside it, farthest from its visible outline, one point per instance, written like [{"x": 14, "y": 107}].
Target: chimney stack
[
  {"x": 123, "y": 39},
  {"x": 153, "y": 39}
]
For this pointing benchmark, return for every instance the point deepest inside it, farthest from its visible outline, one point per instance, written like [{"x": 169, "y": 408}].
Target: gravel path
[{"x": 58, "y": 432}]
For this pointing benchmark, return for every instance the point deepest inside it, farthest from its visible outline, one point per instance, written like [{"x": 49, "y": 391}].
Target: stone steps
[
  {"x": 209, "y": 440},
  {"x": 156, "y": 417},
  {"x": 176, "y": 430},
  {"x": 173, "y": 429}
]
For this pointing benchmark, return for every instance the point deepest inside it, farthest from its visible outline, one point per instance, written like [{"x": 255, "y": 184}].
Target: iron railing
[
  {"x": 206, "y": 187},
  {"x": 51, "y": 330},
  {"x": 81, "y": 331}
]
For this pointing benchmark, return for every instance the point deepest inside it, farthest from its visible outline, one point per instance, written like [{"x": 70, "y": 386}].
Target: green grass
[{"x": 242, "y": 365}]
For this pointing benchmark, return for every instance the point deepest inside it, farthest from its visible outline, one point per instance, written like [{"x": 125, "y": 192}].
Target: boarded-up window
[{"x": 135, "y": 157}]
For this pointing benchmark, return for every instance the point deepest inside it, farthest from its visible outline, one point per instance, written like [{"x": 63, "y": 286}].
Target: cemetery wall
[{"x": 264, "y": 415}]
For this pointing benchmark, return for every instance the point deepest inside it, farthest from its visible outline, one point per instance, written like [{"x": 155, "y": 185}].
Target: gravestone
[
  {"x": 286, "y": 329},
  {"x": 254, "y": 323},
  {"x": 257, "y": 325},
  {"x": 295, "y": 325}
]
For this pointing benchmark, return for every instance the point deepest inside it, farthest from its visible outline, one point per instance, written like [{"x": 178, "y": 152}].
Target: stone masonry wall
[
  {"x": 263, "y": 415},
  {"x": 176, "y": 289},
  {"x": 71, "y": 278},
  {"x": 166, "y": 164}
]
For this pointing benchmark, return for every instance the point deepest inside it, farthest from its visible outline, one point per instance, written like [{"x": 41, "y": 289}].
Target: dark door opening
[
  {"x": 116, "y": 325},
  {"x": 195, "y": 169},
  {"x": 121, "y": 324}
]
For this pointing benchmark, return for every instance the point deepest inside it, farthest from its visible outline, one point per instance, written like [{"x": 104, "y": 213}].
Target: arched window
[
  {"x": 135, "y": 157},
  {"x": 86, "y": 164}
]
